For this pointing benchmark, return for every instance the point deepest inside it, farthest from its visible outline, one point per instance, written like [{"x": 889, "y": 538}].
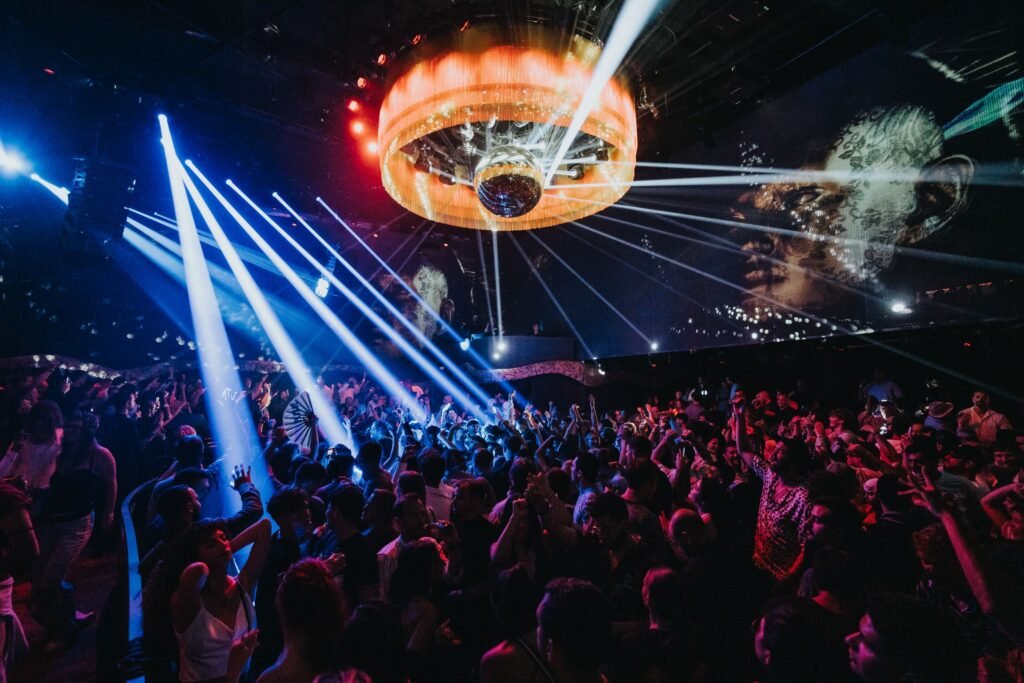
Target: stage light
[
  {"x": 496, "y": 355},
  {"x": 382, "y": 59},
  {"x": 61, "y": 193},
  {"x": 601, "y": 371},
  {"x": 417, "y": 39},
  {"x": 371, "y": 147},
  {"x": 753, "y": 335},
  {"x": 464, "y": 344},
  {"x": 900, "y": 307},
  {"x": 11, "y": 162},
  {"x": 322, "y": 287},
  {"x": 361, "y": 82},
  {"x": 353, "y": 105},
  {"x": 502, "y": 346},
  {"x": 358, "y": 127},
  {"x": 654, "y": 346},
  {"x": 48, "y": 71}
]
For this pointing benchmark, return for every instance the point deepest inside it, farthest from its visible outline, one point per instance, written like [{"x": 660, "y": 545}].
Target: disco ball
[{"x": 509, "y": 181}]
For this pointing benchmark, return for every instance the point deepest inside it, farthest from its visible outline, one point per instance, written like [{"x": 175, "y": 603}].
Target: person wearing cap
[{"x": 982, "y": 420}]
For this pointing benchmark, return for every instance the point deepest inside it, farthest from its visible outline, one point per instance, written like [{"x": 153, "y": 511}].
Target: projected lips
[{"x": 509, "y": 182}]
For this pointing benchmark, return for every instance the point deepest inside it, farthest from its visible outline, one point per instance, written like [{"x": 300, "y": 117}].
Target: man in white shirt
[
  {"x": 412, "y": 521},
  {"x": 439, "y": 494},
  {"x": 982, "y": 420}
]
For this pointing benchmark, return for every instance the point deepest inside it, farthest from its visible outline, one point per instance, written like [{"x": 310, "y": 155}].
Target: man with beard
[{"x": 783, "y": 516}]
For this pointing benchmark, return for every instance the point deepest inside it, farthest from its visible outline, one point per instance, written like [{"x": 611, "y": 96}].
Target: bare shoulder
[{"x": 105, "y": 459}]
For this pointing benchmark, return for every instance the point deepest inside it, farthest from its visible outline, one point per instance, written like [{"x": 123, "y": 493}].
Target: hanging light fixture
[{"x": 497, "y": 115}]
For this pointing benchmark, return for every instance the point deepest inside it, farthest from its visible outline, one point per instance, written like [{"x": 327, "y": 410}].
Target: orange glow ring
[{"x": 511, "y": 84}]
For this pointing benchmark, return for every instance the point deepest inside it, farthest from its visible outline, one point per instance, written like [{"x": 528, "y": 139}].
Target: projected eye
[{"x": 801, "y": 196}]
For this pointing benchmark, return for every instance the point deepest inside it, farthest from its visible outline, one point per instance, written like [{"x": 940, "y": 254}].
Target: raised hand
[{"x": 240, "y": 476}]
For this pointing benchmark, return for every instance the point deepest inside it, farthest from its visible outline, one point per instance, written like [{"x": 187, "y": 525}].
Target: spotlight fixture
[
  {"x": 417, "y": 39},
  {"x": 900, "y": 308},
  {"x": 382, "y": 59},
  {"x": 353, "y": 105},
  {"x": 496, "y": 355},
  {"x": 361, "y": 82},
  {"x": 502, "y": 346},
  {"x": 500, "y": 119},
  {"x": 654, "y": 346},
  {"x": 464, "y": 344},
  {"x": 358, "y": 127},
  {"x": 371, "y": 147},
  {"x": 11, "y": 162}
]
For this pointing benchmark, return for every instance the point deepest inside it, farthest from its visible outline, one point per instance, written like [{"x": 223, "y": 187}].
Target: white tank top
[{"x": 205, "y": 643}]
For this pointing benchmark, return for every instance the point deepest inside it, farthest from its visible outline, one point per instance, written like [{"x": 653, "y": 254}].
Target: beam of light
[
  {"x": 722, "y": 244},
  {"x": 452, "y": 333},
  {"x": 770, "y": 176},
  {"x": 396, "y": 338},
  {"x": 631, "y": 20},
  {"x": 958, "y": 259},
  {"x": 793, "y": 309},
  {"x": 640, "y": 271},
  {"x": 596, "y": 293},
  {"x": 11, "y": 162},
  {"x": 497, "y": 290},
  {"x": 995, "y": 106},
  {"x": 293, "y": 361},
  {"x": 61, "y": 193},
  {"x": 989, "y": 174},
  {"x": 415, "y": 331},
  {"x": 483, "y": 271},
  {"x": 384, "y": 261},
  {"x": 168, "y": 260},
  {"x": 342, "y": 331},
  {"x": 247, "y": 255},
  {"x": 554, "y": 300},
  {"x": 228, "y": 285},
  {"x": 414, "y": 354},
  {"x": 165, "y": 262},
  {"x": 232, "y": 428}
]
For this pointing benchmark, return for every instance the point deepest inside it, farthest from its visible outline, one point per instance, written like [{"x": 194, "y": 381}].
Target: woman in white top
[
  {"x": 34, "y": 456},
  {"x": 207, "y": 608}
]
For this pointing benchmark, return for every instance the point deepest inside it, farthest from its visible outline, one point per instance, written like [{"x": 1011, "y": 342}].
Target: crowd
[{"x": 729, "y": 533}]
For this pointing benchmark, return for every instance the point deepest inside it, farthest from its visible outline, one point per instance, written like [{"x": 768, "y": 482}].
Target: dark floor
[{"x": 93, "y": 578}]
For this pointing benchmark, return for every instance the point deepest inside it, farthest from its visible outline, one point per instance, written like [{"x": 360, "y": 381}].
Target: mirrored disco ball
[{"x": 508, "y": 181}]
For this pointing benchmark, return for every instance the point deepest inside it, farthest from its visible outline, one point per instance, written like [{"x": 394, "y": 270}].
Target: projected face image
[
  {"x": 431, "y": 284},
  {"x": 892, "y": 187}
]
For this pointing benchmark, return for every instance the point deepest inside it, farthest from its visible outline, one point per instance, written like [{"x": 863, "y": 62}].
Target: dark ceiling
[
  {"x": 258, "y": 88},
  {"x": 238, "y": 69}
]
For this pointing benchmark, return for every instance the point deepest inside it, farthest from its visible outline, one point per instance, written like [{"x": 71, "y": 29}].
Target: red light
[
  {"x": 48, "y": 71},
  {"x": 445, "y": 245},
  {"x": 371, "y": 147},
  {"x": 358, "y": 127},
  {"x": 353, "y": 105},
  {"x": 416, "y": 39},
  {"x": 968, "y": 345},
  {"x": 382, "y": 59},
  {"x": 360, "y": 82},
  {"x": 464, "y": 26}
]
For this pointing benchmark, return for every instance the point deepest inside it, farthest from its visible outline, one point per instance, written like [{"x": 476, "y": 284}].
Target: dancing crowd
[{"x": 728, "y": 533}]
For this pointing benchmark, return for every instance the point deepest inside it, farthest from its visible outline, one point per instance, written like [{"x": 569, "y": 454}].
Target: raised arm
[
  {"x": 258, "y": 535},
  {"x": 739, "y": 426}
]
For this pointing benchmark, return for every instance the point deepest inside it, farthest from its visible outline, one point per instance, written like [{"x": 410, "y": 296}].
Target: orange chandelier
[{"x": 467, "y": 137}]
